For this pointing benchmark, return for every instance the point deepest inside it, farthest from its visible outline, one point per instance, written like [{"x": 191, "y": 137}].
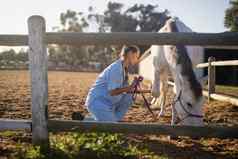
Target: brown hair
[{"x": 132, "y": 48}]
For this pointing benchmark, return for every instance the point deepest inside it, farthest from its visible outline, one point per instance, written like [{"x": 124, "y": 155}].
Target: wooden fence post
[
  {"x": 39, "y": 80},
  {"x": 211, "y": 78}
]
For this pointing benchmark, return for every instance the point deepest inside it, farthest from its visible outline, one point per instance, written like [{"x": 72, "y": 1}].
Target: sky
[{"x": 199, "y": 15}]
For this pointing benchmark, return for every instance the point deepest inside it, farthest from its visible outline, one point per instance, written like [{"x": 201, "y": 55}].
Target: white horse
[{"x": 175, "y": 60}]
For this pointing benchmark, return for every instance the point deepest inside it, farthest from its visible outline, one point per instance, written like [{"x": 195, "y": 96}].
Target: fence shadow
[{"x": 181, "y": 148}]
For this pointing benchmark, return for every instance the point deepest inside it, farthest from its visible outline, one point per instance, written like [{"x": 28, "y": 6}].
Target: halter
[{"x": 189, "y": 114}]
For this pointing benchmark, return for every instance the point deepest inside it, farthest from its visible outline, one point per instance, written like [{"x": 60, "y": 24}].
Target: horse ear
[{"x": 203, "y": 81}]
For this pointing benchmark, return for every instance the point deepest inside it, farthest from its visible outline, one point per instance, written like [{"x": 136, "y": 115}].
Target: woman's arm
[{"x": 118, "y": 91}]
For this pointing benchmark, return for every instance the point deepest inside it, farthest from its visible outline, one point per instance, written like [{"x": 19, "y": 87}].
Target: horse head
[{"x": 189, "y": 100}]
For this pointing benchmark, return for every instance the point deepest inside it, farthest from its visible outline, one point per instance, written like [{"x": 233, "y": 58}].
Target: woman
[{"x": 109, "y": 98}]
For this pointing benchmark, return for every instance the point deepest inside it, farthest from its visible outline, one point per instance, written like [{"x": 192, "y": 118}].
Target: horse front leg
[
  {"x": 163, "y": 93},
  {"x": 160, "y": 85},
  {"x": 155, "y": 90},
  {"x": 174, "y": 115},
  {"x": 173, "y": 122},
  {"x": 160, "y": 101}
]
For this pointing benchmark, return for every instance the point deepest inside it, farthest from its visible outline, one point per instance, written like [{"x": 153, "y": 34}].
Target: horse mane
[{"x": 184, "y": 60}]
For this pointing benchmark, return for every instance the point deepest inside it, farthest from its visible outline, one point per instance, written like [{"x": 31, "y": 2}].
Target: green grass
[
  {"x": 227, "y": 90},
  {"x": 8, "y": 133},
  {"x": 86, "y": 146}
]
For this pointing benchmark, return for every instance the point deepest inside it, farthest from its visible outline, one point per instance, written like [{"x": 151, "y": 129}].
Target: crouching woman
[{"x": 109, "y": 97}]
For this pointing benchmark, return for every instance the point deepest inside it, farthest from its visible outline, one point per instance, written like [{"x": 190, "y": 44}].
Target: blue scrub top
[{"x": 111, "y": 78}]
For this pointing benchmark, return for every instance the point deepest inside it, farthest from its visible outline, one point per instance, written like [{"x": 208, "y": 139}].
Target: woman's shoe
[{"x": 77, "y": 116}]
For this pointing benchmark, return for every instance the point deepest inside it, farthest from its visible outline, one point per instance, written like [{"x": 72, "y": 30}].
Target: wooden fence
[
  {"x": 210, "y": 93},
  {"x": 38, "y": 40},
  {"x": 211, "y": 90}
]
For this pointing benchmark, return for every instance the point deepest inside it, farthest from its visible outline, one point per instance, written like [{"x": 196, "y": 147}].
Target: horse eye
[{"x": 190, "y": 105}]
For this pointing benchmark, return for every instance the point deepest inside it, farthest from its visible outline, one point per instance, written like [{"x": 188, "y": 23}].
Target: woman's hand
[
  {"x": 128, "y": 89},
  {"x": 118, "y": 91}
]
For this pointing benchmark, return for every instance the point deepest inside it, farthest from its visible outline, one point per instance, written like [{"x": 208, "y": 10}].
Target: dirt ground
[{"x": 67, "y": 93}]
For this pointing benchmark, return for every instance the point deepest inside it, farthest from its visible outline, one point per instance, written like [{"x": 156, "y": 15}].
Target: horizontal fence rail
[
  {"x": 222, "y": 47},
  {"x": 126, "y": 128},
  {"x": 144, "y": 128},
  {"x": 219, "y": 63},
  {"x": 13, "y": 40},
  {"x": 143, "y": 38},
  {"x": 10, "y": 124},
  {"x": 216, "y": 96},
  {"x": 222, "y": 97},
  {"x": 120, "y": 38}
]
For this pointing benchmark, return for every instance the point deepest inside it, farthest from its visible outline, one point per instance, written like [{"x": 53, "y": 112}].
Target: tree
[
  {"x": 74, "y": 56},
  {"x": 138, "y": 18},
  {"x": 231, "y": 16},
  {"x": 116, "y": 18},
  {"x": 22, "y": 56},
  {"x": 148, "y": 19},
  {"x": 11, "y": 58},
  {"x": 103, "y": 54},
  {"x": 8, "y": 55}
]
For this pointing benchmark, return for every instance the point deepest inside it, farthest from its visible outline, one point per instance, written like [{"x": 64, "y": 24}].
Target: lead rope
[{"x": 137, "y": 81}]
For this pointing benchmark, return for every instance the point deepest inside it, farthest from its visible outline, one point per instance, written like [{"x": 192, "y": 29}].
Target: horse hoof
[{"x": 77, "y": 116}]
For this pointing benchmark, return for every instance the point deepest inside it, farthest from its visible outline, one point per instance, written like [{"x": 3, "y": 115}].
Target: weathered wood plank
[
  {"x": 216, "y": 96},
  {"x": 120, "y": 38},
  {"x": 219, "y": 63},
  {"x": 222, "y": 47},
  {"x": 223, "y": 98},
  {"x": 143, "y": 38},
  {"x": 39, "y": 80},
  {"x": 127, "y": 128},
  {"x": 143, "y": 128},
  {"x": 211, "y": 77},
  {"x": 10, "y": 124},
  {"x": 13, "y": 40}
]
